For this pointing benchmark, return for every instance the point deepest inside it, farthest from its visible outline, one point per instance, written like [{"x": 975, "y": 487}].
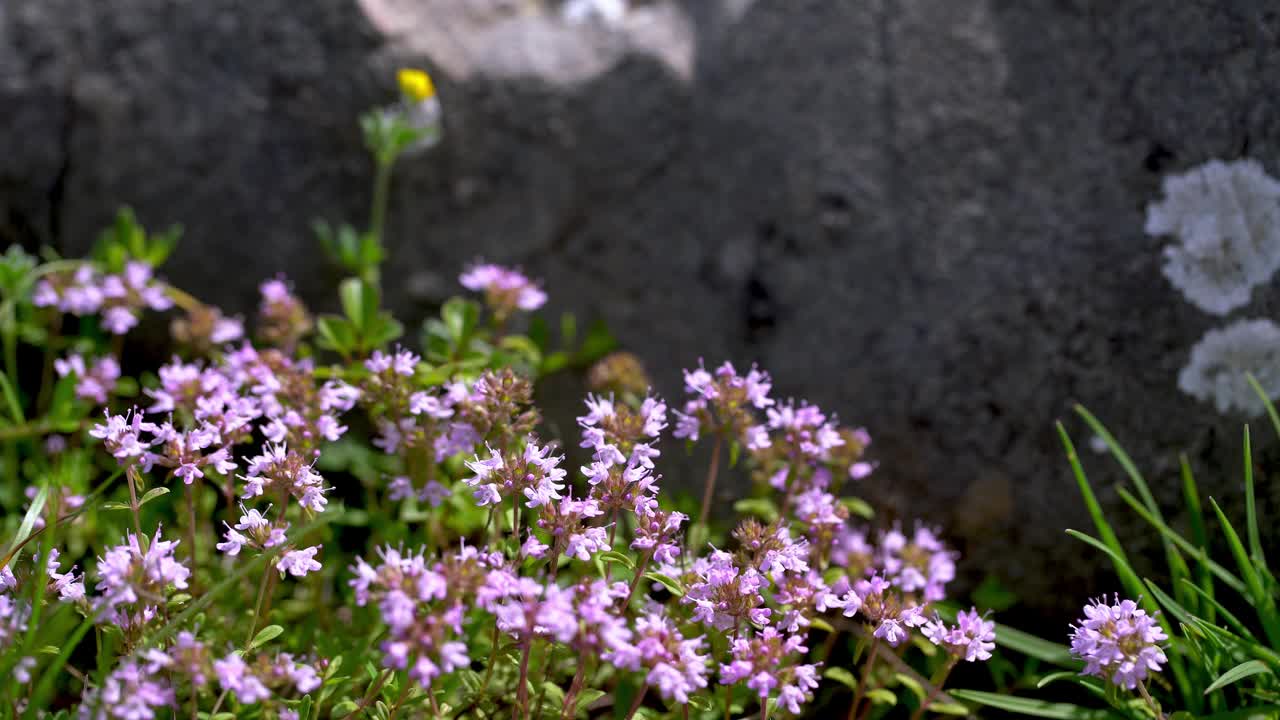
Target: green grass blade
[
  {"x": 1262, "y": 601},
  {"x": 28, "y": 522},
  {"x": 1241, "y": 629},
  {"x": 1238, "y": 673},
  {"x": 44, "y": 686},
  {"x": 1191, "y": 499},
  {"x": 1177, "y": 564},
  {"x": 1033, "y": 707},
  {"x": 1266, "y": 402},
  {"x": 1259, "y": 712},
  {"x": 11, "y": 399},
  {"x": 1128, "y": 578},
  {"x": 1226, "y": 576},
  {"x": 1251, "y": 507}
]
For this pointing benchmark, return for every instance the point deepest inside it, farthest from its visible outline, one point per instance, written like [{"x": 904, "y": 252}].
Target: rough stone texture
[{"x": 923, "y": 214}]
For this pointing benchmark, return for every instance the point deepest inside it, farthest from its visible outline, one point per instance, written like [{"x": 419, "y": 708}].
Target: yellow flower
[{"x": 416, "y": 84}]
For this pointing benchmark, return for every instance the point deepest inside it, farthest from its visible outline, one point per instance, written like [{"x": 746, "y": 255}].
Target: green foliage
[{"x": 1221, "y": 665}]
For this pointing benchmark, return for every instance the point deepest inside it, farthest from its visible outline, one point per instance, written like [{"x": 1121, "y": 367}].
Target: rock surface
[{"x": 925, "y": 215}]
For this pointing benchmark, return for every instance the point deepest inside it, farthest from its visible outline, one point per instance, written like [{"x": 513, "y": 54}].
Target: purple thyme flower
[
  {"x": 133, "y": 691},
  {"x": 1119, "y": 642},
  {"x": 672, "y": 662},
  {"x": 93, "y": 383},
  {"x": 299, "y": 562},
  {"x": 505, "y": 289},
  {"x": 972, "y": 637},
  {"x": 768, "y": 664},
  {"x": 131, "y": 581}
]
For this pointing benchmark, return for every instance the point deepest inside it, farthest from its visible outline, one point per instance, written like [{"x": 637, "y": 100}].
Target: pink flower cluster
[
  {"x": 1118, "y": 641},
  {"x": 117, "y": 298}
]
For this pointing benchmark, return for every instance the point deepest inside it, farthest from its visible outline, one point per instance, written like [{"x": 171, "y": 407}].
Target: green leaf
[
  {"x": 336, "y": 333},
  {"x": 912, "y": 684},
  {"x": 818, "y": 623},
  {"x": 1067, "y": 676},
  {"x": 671, "y": 584},
  {"x": 613, "y": 556},
  {"x": 265, "y": 635},
  {"x": 597, "y": 343},
  {"x": 460, "y": 316},
  {"x": 1237, "y": 673},
  {"x": 760, "y": 507},
  {"x": 359, "y": 302},
  {"x": 1032, "y": 707},
  {"x": 882, "y": 696},
  {"x": 949, "y": 709},
  {"x": 842, "y": 676},
  {"x": 588, "y": 696},
  {"x": 152, "y": 494},
  {"x": 858, "y": 507}
]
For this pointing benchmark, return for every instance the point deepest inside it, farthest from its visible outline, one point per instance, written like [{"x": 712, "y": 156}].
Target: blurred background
[{"x": 923, "y": 215}]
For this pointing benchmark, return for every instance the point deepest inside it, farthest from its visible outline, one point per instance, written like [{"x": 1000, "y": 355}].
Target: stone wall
[{"x": 925, "y": 215}]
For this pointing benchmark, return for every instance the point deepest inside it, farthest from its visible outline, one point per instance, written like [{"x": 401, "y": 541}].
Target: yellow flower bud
[{"x": 416, "y": 84}]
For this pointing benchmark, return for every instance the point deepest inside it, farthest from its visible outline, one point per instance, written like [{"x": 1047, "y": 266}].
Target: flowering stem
[
  {"x": 635, "y": 704},
  {"x": 404, "y": 693},
  {"x": 191, "y": 520},
  {"x": 257, "y": 610},
  {"x": 709, "y": 490},
  {"x": 493, "y": 658},
  {"x": 378, "y": 209},
  {"x": 937, "y": 688},
  {"x": 1155, "y": 707},
  {"x": 522, "y": 690},
  {"x": 866, "y": 673},
  {"x": 635, "y": 582},
  {"x": 133, "y": 501},
  {"x": 571, "y": 698},
  {"x": 728, "y": 688}
]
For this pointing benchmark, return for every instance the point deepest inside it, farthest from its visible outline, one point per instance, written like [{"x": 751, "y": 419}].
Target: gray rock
[{"x": 925, "y": 215}]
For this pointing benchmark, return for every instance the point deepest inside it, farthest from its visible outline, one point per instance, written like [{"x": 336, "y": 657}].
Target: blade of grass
[
  {"x": 1226, "y": 576},
  {"x": 1241, "y": 629},
  {"x": 1128, "y": 578},
  {"x": 1261, "y": 599},
  {"x": 1191, "y": 497},
  {"x": 28, "y": 522},
  {"x": 1251, "y": 507},
  {"x": 1266, "y": 402},
  {"x": 44, "y": 687},
  {"x": 1033, "y": 707},
  {"x": 1238, "y": 673},
  {"x": 11, "y": 398},
  {"x": 1177, "y": 564}
]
